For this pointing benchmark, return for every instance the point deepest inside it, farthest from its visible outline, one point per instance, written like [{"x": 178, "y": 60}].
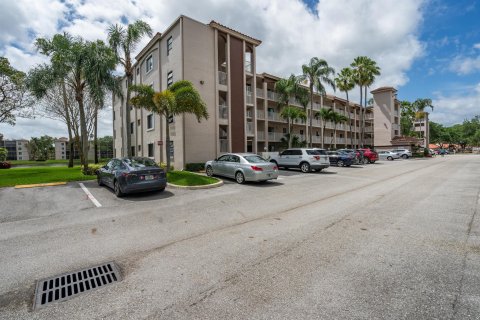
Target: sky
[{"x": 425, "y": 48}]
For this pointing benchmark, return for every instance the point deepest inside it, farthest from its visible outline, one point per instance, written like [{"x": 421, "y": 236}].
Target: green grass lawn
[
  {"x": 15, "y": 176},
  {"x": 46, "y": 163},
  {"x": 185, "y": 178}
]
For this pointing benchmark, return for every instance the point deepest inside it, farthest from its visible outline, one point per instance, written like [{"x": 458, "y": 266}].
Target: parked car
[
  {"x": 404, "y": 153},
  {"x": 132, "y": 174},
  {"x": 341, "y": 159},
  {"x": 358, "y": 155},
  {"x": 242, "y": 167},
  {"x": 388, "y": 155},
  {"x": 304, "y": 158},
  {"x": 370, "y": 154}
]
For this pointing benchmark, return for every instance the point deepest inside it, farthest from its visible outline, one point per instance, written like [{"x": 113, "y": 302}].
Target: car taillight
[
  {"x": 275, "y": 168},
  {"x": 316, "y": 157},
  {"x": 255, "y": 168}
]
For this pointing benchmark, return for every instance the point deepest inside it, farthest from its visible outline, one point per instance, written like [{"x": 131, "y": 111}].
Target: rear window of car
[
  {"x": 255, "y": 159},
  {"x": 296, "y": 152},
  {"x": 321, "y": 151},
  {"x": 140, "y": 162},
  {"x": 333, "y": 153},
  {"x": 311, "y": 152}
]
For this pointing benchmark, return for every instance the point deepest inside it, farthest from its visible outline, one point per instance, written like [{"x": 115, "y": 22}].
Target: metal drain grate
[{"x": 68, "y": 285}]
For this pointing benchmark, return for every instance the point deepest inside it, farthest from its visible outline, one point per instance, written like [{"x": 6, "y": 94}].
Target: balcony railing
[
  {"x": 250, "y": 128},
  {"x": 369, "y": 116},
  {"x": 273, "y": 116},
  {"x": 249, "y": 114},
  {"x": 223, "y": 145},
  {"x": 260, "y": 114},
  {"x": 275, "y": 136},
  {"x": 369, "y": 129},
  {"x": 261, "y": 135},
  {"x": 248, "y": 67},
  {"x": 395, "y": 126},
  {"x": 271, "y": 95},
  {"x": 223, "y": 112},
  {"x": 260, "y": 93},
  {"x": 222, "y": 78},
  {"x": 249, "y": 97}
]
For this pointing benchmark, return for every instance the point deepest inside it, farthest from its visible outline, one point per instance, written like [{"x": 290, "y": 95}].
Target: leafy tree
[
  {"x": 3, "y": 154},
  {"x": 407, "y": 118},
  {"x": 124, "y": 41},
  {"x": 41, "y": 148},
  {"x": 325, "y": 114},
  {"x": 317, "y": 72},
  {"x": 337, "y": 118},
  {"x": 180, "y": 98},
  {"x": 364, "y": 72},
  {"x": 291, "y": 114},
  {"x": 295, "y": 142},
  {"x": 345, "y": 83},
  {"x": 105, "y": 144},
  {"x": 15, "y": 100}
]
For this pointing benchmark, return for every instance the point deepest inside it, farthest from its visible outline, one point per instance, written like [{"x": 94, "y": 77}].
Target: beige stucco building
[{"x": 242, "y": 104}]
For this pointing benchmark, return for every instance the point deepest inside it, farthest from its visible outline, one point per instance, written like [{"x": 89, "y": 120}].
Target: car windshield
[
  {"x": 255, "y": 159},
  {"x": 140, "y": 162},
  {"x": 313, "y": 152}
]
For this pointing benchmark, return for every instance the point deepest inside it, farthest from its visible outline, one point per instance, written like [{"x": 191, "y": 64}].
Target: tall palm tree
[
  {"x": 345, "y": 83},
  {"x": 317, "y": 72},
  {"x": 337, "y": 118},
  {"x": 180, "y": 98},
  {"x": 419, "y": 106},
  {"x": 291, "y": 114},
  {"x": 84, "y": 66},
  {"x": 325, "y": 114},
  {"x": 287, "y": 89},
  {"x": 124, "y": 41},
  {"x": 364, "y": 70}
]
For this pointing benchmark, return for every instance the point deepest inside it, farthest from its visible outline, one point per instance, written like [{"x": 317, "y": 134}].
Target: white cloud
[
  {"x": 456, "y": 108},
  {"x": 384, "y": 30},
  {"x": 465, "y": 65},
  {"x": 476, "y": 45}
]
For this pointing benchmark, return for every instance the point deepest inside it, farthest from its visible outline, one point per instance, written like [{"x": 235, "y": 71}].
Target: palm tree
[
  {"x": 317, "y": 72},
  {"x": 365, "y": 70},
  {"x": 337, "y": 118},
  {"x": 85, "y": 67},
  {"x": 291, "y": 114},
  {"x": 287, "y": 89},
  {"x": 419, "y": 106},
  {"x": 180, "y": 98},
  {"x": 345, "y": 83},
  {"x": 124, "y": 41},
  {"x": 326, "y": 115}
]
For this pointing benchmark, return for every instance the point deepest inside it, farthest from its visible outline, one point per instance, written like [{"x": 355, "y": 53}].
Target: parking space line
[{"x": 90, "y": 196}]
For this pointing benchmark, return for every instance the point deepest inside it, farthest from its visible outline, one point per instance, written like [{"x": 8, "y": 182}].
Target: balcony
[
  {"x": 260, "y": 114},
  {"x": 275, "y": 136},
  {"x": 223, "y": 112},
  {"x": 223, "y": 145},
  {"x": 395, "y": 126},
  {"x": 249, "y": 114},
  {"x": 369, "y": 116},
  {"x": 222, "y": 78},
  {"x": 369, "y": 129},
  {"x": 316, "y": 106},
  {"x": 260, "y": 93},
  {"x": 273, "y": 116},
  {"x": 261, "y": 135},
  {"x": 249, "y": 97},
  {"x": 250, "y": 130},
  {"x": 271, "y": 95},
  {"x": 248, "y": 67}
]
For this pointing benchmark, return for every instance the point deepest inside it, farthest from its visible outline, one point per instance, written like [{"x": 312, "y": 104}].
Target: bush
[
  {"x": 163, "y": 165},
  {"x": 195, "y": 167},
  {"x": 5, "y": 165},
  {"x": 92, "y": 169}
]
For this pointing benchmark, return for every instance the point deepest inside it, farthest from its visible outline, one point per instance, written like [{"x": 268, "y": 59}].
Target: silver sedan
[
  {"x": 242, "y": 167},
  {"x": 388, "y": 155}
]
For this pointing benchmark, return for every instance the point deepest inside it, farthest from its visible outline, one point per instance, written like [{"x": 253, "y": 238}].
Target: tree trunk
[
  {"x": 84, "y": 132},
  {"x": 95, "y": 140},
  {"x": 311, "y": 115},
  {"x": 361, "y": 117},
  {"x": 334, "y": 139},
  {"x": 364, "y": 112},
  {"x": 127, "y": 117},
  {"x": 349, "y": 122},
  {"x": 323, "y": 129},
  {"x": 167, "y": 143},
  {"x": 289, "y": 133},
  {"x": 69, "y": 125}
]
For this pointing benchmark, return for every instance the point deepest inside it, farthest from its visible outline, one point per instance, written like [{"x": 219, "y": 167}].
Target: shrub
[
  {"x": 92, "y": 169},
  {"x": 195, "y": 167},
  {"x": 163, "y": 165},
  {"x": 3, "y": 154},
  {"x": 5, "y": 165}
]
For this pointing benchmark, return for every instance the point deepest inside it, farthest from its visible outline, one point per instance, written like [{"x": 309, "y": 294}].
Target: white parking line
[{"x": 90, "y": 196}]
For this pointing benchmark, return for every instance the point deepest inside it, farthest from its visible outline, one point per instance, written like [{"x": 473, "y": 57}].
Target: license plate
[{"x": 149, "y": 177}]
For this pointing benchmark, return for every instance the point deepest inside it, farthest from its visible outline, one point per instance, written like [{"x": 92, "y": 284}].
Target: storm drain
[{"x": 69, "y": 285}]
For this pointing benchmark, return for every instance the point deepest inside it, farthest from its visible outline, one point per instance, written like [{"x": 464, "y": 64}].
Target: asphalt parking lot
[{"x": 391, "y": 240}]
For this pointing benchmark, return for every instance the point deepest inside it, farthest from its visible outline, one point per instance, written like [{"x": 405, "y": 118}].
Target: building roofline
[
  {"x": 384, "y": 89},
  {"x": 236, "y": 33},
  {"x": 145, "y": 49}
]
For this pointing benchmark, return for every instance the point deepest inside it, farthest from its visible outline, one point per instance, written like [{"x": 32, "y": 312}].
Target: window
[
  {"x": 284, "y": 130},
  {"x": 131, "y": 127},
  {"x": 169, "y": 45},
  {"x": 140, "y": 163},
  {"x": 301, "y": 132},
  {"x": 133, "y": 150},
  {"x": 138, "y": 122},
  {"x": 169, "y": 78},
  {"x": 296, "y": 152},
  {"x": 150, "y": 150},
  {"x": 150, "y": 123},
  {"x": 139, "y": 148},
  {"x": 149, "y": 64},
  {"x": 19, "y": 153}
]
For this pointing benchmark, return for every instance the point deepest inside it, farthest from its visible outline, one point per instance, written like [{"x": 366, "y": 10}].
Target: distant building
[
  {"x": 61, "y": 148},
  {"x": 423, "y": 128},
  {"x": 17, "y": 149},
  {"x": 386, "y": 115}
]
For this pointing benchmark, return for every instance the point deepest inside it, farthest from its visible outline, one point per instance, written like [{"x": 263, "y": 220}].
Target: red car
[{"x": 371, "y": 155}]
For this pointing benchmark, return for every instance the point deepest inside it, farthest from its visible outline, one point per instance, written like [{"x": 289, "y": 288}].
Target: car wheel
[
  {"x": 305, "y": 167},
  {"x": 404, "y": 156},
  {"x": 366, "y": 161},
  {"x": 209, "y": 171},
  {"x": 372, "y": 162},
  {"x": 239, "y": 177},
  {"x": 389, "y": 158},
  {"x": 117, "y": 190},
  {"x": 340, "y": 163},
  {"x": 99, "y": 180}
]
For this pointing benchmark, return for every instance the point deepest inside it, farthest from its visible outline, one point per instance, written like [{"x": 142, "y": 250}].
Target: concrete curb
[
  {"x": 207, "y": 186},
  {"x": 50, "y": 184}
]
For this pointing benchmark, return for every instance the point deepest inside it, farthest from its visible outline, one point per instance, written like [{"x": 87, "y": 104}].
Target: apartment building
[
  {"x": 423, "y": 128},
  {"x": 61, "y": 148},
  {"x": 386, "y": 124},
  {"x": 242, "y": 104},
  {"x": 17, "y": 149}
]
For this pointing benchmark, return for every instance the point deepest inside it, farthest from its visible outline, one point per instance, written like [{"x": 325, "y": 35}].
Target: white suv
[
  {"x": 304, "y": 158},
  {"x": 404, "y": 153}
]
